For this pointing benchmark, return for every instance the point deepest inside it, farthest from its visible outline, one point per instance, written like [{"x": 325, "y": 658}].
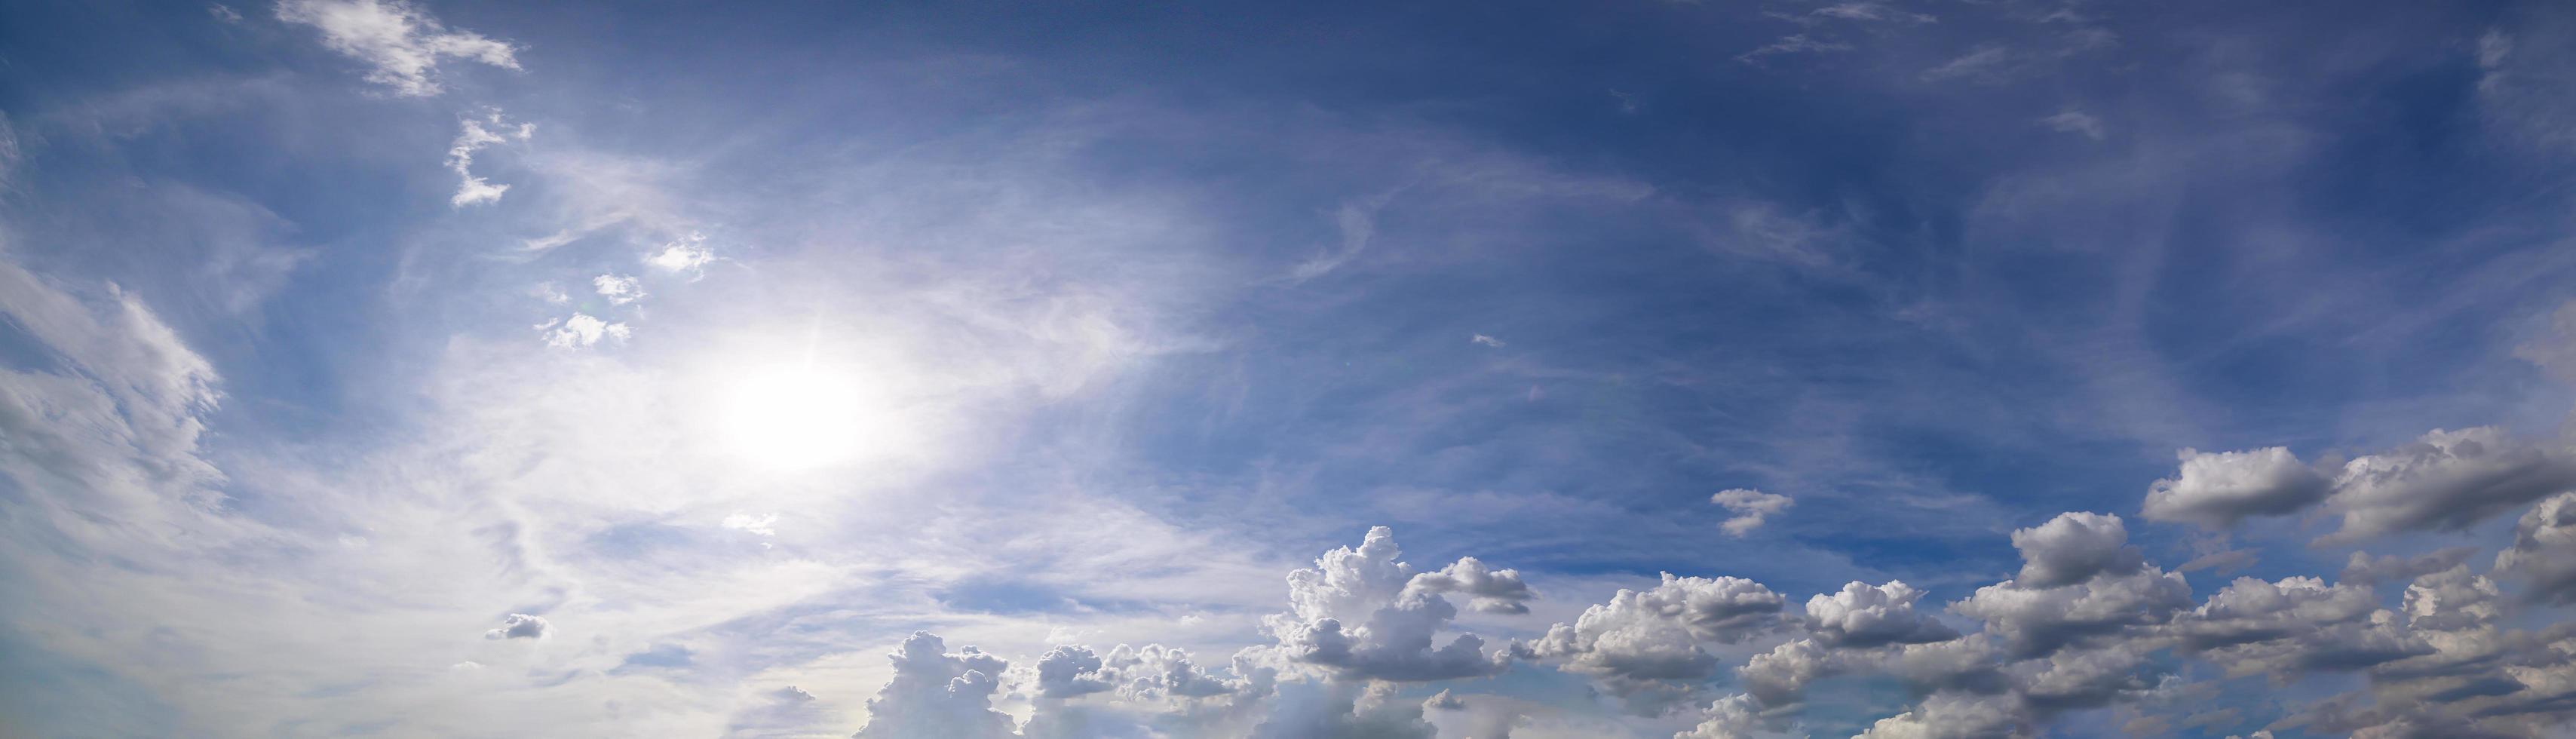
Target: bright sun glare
[{"x": 798, "y": 418}]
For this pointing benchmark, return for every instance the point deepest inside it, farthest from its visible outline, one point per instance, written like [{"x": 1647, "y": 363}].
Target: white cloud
[
  {"x": 401, "y": 45},
  {"x": 2448, "y": 480},
  {"x": 2075, "y": 121},
  {"x": 1751, "y": 508},
  {"x": 223, "y": 13},
  {"x": 1485, "y": 340},
  {"x": 1639, "y": 638},
  {"x": 581, "y": 330},
  {"x": 686, "y": 254},
  {"x": 935, "y": 693},
  {"x": 618, "y": 289},
  {"x": 471, "y": 189},
  {"x": 1357, "y": 614},
  {"x": 2217, "y": 490},
  {"x": 2072, "y": 548},
  {"x": 1865, "y": 615},
  {"x": 764, "y": 524}
]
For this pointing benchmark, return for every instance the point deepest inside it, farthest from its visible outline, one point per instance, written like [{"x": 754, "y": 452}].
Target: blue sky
[{"x": 1726, "y": 369}]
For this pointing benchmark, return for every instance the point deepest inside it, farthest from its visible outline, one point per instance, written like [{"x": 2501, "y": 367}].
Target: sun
[{"x": 798, "y": 417}]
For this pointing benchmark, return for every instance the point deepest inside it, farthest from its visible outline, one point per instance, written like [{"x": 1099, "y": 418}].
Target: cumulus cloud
[
  {"x": 476, "y": 135},
  {"x": 2448, "y": 480},
  {"x": 1492, "y": 591},
  {"x": 2072, "y": 548},
  {"x": 1357, "y": 614},
  {"x": 1865, "y": 615},
  {"x": 581, "y": 330},
  {"x": 1751, "y": 508},
  {"x": 2367, "y": 568},
  {"x": 1641, "y": 637},
  {"x": 2543, "y": 554},
  {"x": 935, "y": 693},
  {"x": 401, "y": 45},
  {"x": 2217, "y": 490},
  {"x": 618, "y": 289},
  {"x": 521, "y": 626}
]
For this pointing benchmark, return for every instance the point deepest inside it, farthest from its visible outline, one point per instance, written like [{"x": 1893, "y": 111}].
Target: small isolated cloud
[
  {"x": 764, "y": 524},
  {"x": 1751, "y": 508},
  {"x": 401, "y": 45},
  {"x": 460, "y": 156},
  {"x": 2075, "y": 121},
  {"x": 224, "y": 13},
  {"x": 686, "y": 254},
  {"x": 521, "y": 626},
  {"x": 1791, "y": 44},
  {"x": 1485, "y": 340},
  {"x": 1871, "y": 11},
  {"x": 581, "y": 330},
  {"x": 618, "y": 289},
  {"x": 1985, "y": 63}
]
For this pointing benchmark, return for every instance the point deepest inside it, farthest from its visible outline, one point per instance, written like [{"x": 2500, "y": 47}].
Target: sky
[{"x": 1630, "y": 368}]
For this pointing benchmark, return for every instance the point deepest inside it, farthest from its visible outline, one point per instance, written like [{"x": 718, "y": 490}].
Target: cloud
[
  {"x": 401, "y": 45},
  {"x": 1982, "y": 64},
  {"x": 1798, "y": 43},
  {"x": 1485, "y": 340},
  {"x": 1864, "y": 615},
  {"x": 1494, "y": 591},
  {"x": 2072, "y": 548},
  {"x": 521, "y": 626},
  {"x": 618, "y": 289},
  {"x": 2363, "y": 567},
  {"x": 2075, "y": 121},
  {"x": 1751, "y": 508},
  {"x": 2218, "y": 490},
  {"x": 764, "y": 524},
  {"x": 581, "y": 330},
  {"x": 2448, "y": 480},
  {"x": 686, "y": 254},
  {"x": 223, "y": 13},
  {"x": 2543, "y": 554},
  {"x": 935, "y": 693},
  {"x": 1639, "y": 638},
  {"x": 1357, "y": 613},
  {"x": 460, "y": 157}
]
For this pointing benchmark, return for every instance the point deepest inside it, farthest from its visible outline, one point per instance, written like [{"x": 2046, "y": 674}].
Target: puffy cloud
[
  {"x": 2251, "y": 610},
  {"x": 1655, "y": 634},
  {"x": 1493, "y": 591},
  {"x": 1731, "y": 717},
  {"x": 521, "y": 626},
  {"x": 938, "y": 694},
  {"x": 1865, "y": 615},
  {"x": 2447, "y": 480},
  {"x": 618, "y": 289},
  {"x": 2363, "y": 567},
  {"x": 1953, "y": 716},
  {"x": 2544, "y": 550},
  {"x": 1357, "y": 614},
  {"x": 1750, "y": 507},
  {"x": 2217, "y": 490},
  {"x": 2034, "y": 621},
  {"x": 1479, "y": 719},
  {"x": 402, "y": 45},
  {"x": 687, "y": 254},
  {"x": 2072, "y": 548},
  {"x": 1344, "y": 711},
  {"x": 1065, "y": 672},
  {"x": 476, "y": 135},
  {"x": 581, "y": 330}
]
